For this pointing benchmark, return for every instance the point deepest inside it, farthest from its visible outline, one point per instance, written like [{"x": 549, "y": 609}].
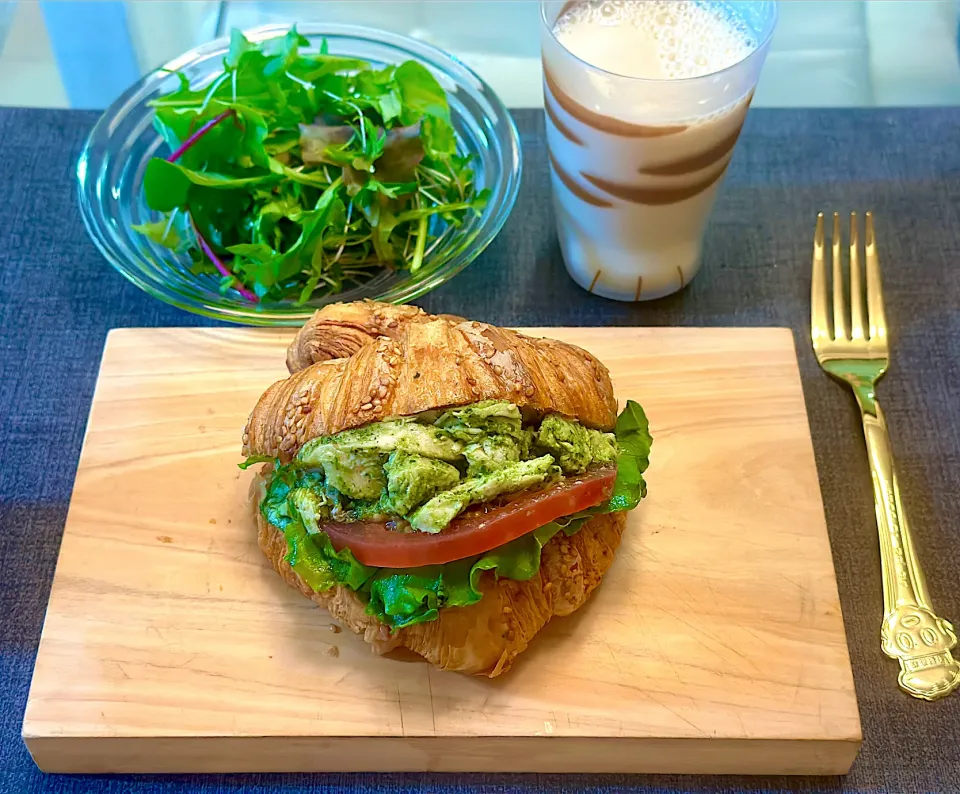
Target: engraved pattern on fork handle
[{"x": 911, "y": 632}]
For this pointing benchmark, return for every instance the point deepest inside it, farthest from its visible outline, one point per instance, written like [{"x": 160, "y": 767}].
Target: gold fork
[{"x": 857, "y": 353}]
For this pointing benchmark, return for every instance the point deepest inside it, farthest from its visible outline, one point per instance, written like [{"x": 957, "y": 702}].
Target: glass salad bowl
[{"x": 111, "y": 168}]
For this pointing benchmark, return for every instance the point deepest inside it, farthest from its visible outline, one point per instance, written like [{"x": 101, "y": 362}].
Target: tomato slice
[{"x": 476, "y": 530}]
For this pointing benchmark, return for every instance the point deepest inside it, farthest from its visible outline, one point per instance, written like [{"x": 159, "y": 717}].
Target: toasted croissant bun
[
  {"x": 486, "y": 637},
  {"x": 341, "y": 329},
  {"x": 356, "y": 363}
]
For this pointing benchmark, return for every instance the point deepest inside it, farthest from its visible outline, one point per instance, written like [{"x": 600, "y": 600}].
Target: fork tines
[{"x": 848, "y": 318}]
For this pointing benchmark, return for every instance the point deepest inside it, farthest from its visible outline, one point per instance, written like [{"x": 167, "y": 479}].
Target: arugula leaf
[
  {"x": 285, "y": 51},
  {"x": 281, "y": 142},
  {"x": 254, "y": 131},
  {"x": 219, "y": 215},
  {"x": 269, "y": 268},
  {"x": 313, "y": 69},
  {"x": 283, "y": 206},
  {"x": 162, "y": 232},
  {"x": 316, "y": 139},
  {"x": 258, "y": 252},
  {"x": 372, "y": 142},
  {"x": 390, "y": 106},
  {"x": 420, "y": 94},
  {"x": 167, "y": 185},
  {"x": 313, "y": 222},
  {"x": 438, "y": 137},
  {"x": 238, "y": 46},
  {"x": 381, "y": 90}
]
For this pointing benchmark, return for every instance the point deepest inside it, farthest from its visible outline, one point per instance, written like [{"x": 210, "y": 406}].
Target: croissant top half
[{"x": 355, "y": 363}]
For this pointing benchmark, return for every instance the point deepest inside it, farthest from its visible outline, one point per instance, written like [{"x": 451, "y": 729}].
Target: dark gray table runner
[{"x": 58, "y": 298}]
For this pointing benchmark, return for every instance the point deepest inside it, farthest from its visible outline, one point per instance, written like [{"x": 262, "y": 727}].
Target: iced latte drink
[{"x": 644, "y": 101}]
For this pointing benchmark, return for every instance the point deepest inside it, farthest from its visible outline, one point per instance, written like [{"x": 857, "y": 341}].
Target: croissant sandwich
[{"x": 442, "y": 485}]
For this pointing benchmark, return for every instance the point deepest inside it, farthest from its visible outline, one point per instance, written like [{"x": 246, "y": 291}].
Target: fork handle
[{"x": 911, "y": 632}]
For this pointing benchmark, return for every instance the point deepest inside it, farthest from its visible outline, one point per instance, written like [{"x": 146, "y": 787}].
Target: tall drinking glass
[{"x": 644, "y": 101}]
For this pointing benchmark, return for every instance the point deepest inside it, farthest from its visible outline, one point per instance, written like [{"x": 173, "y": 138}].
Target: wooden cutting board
[{"x": 715, "y": 643}]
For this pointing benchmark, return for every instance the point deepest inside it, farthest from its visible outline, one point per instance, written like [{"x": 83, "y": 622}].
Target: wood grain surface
[{"x": 715, "y": 643}]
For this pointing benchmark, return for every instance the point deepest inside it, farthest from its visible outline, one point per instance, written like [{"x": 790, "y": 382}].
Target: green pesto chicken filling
[
  {"x": 420, "y": 473},
  {"x": 428, "y": 470}
]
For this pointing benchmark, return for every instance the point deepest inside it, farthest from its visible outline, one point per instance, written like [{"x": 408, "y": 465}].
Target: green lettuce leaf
[
  {"x": 409, "y": 596},
  {"x": 253, "y": 460},
  {"x": 312, "y": 556},
  {"x": 633, "y": 436},
  {"x": 319, "y": 564},
  {"x": 275, "y": 507}
]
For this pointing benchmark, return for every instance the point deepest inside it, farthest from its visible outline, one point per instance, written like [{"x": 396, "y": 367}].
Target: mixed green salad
[
  {"x": 410, "y": 512},
  {"x": 297, "y": 174}
]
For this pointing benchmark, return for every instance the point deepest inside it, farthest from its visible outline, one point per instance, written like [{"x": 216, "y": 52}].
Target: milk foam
[{"x": 655, "y": 39}]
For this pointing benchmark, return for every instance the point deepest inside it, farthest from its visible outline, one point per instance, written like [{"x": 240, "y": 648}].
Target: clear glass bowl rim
[{"x": 504, "y": 190}]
